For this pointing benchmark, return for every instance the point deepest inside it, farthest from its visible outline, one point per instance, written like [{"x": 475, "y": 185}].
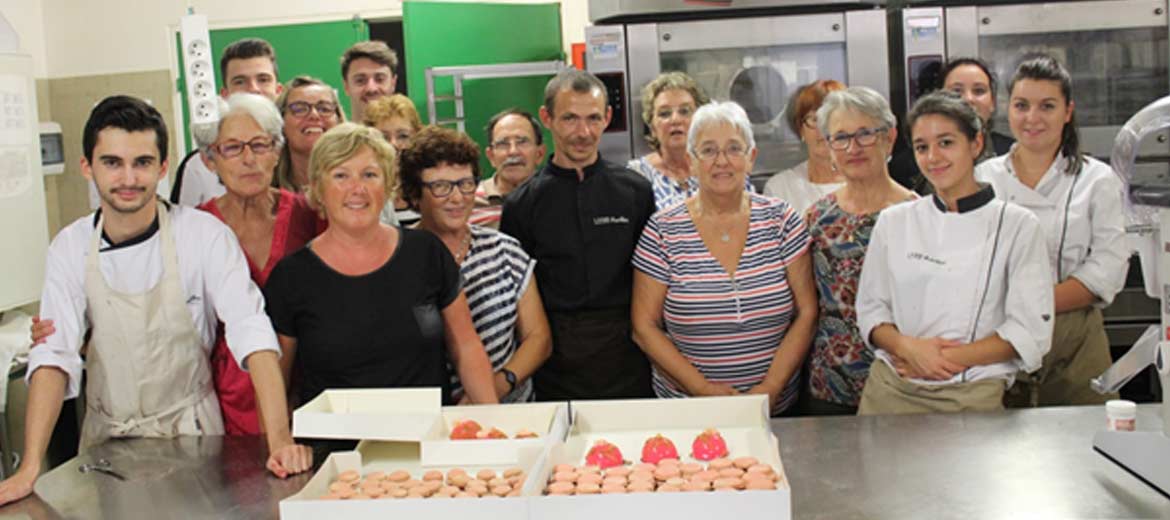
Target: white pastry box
[
  {"x": 386, "y": 457},
  {"x": 549, "y": 421},
  {"x": 390, "y": 414},
  {"x": 741, "y": 420}
]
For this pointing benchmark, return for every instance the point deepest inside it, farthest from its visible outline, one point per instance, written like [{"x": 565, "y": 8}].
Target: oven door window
[
  {"x": 1115, "y": 72},
  {"x": 763, "y": 81}
]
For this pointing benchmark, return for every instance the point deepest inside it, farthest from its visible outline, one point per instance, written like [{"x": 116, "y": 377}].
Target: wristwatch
[{"x": 510, "y": 377}]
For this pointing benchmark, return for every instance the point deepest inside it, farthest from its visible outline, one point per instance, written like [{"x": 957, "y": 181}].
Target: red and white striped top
[{"x": 729, "y": 326}]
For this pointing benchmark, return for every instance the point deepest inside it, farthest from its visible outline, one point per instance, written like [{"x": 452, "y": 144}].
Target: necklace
[
  {"x": 724, "y": 234},
  {"x": 464, "y": 248}
]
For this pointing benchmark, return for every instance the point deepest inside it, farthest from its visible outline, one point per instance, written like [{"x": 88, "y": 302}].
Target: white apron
[{"x": 147, "y": 374}]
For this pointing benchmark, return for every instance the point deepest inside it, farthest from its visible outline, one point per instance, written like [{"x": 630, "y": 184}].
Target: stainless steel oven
[
  {"x": 1117, "y": 51},
  {"x": 753, "y": 52}
]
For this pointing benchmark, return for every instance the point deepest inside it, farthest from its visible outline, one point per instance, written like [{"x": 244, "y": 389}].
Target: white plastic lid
[{"x": 1121, "y": 409}]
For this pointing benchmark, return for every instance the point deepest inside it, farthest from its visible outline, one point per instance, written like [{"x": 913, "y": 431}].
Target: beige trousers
[
  {"x": 887, "y": 393},
  {"x": 1080, "y": 352}
]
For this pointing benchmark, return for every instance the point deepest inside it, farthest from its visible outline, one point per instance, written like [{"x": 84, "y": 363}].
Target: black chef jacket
[{"x": 582, "y": 235}]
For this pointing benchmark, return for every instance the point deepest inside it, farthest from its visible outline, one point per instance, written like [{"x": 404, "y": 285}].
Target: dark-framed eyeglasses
[
  {"x": 302, "y": 108},
  {"x": 521, "y": 143},
  {"x": 441, "y": 189},
  {"x": 233, "y": 148},
  {"x": 864, "y": 138}
]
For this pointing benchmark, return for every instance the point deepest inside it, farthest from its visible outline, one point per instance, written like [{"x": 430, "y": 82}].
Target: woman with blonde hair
[
  {"x": 397, "y": 119},
  {"x": 366, "y": 304}
]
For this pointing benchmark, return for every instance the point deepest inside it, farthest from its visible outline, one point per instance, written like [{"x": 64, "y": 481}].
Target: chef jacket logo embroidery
[
  {"x": 1045, "y": 317},
  {"x": 925, "y": 257},
  {"x": 605, "y": 221}
]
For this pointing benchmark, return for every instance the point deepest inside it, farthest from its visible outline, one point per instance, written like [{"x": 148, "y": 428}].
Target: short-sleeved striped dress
[
  {"x": 729, "y": 327},
  {"x": 495, "y": 274}
]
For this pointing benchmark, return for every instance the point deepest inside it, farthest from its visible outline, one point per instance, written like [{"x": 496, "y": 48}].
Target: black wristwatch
[{"x": 510, "y": 377}]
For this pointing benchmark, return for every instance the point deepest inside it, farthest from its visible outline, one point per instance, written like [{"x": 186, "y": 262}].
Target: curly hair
[
  {"x": 431, "y": 147},
  {"x": 664, "y": 82},
  {"x": 387, "y": 107}
]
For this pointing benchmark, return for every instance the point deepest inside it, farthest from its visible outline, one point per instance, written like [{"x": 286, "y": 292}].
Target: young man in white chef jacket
[{"x": 148, "y": 280}]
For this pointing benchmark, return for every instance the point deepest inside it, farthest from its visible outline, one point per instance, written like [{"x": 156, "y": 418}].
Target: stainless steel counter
[
  {"x": 190, "y": 477},
  {"x": 1019, "y": 464},
  {"x": 1034, "y": 463}
]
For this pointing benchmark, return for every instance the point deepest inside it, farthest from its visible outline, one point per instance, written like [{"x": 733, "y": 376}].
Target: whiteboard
[{"x": 24, "y": 226}]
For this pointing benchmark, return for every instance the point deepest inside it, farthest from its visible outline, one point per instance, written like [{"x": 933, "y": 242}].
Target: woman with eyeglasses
[
  {"x": 270, "y": 223},
  {"x": 310, "y": 108},
  {"x": 439, "y": 173},
  {"x": 858, "y": 131},
  {"x": 1078, "y": 200},
  {"x": 397, "y": 119},
  {"x": 955, "y": 294},
  {"x": 668, "y": 102},
  {"x": 723, "y": 299},
  {"x": 807, "y": 182},
  {"x": 366, "y": 304}
]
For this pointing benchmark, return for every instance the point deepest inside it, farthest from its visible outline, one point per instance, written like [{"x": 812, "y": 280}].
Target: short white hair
[
  {"x": 863, "y": 100},
  {"x": 259, "y": 108},
  {"x": 720, "y": 113}
]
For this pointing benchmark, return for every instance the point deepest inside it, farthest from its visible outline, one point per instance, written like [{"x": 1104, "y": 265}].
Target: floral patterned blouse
[{"x": 839, "y": 361}]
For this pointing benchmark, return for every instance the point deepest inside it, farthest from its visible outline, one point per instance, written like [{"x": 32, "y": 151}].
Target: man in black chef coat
[{"x": 580, "y": 218}]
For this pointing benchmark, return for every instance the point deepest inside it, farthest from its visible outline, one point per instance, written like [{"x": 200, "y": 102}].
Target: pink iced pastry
[
  {"x": 657, "y": 448},
  {"x": 709, "y": 445},
  {"x": 603, "y": 455}
]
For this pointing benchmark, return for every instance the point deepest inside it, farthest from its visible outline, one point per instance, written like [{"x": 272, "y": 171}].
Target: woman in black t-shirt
[{"x": 366, "y": 305}]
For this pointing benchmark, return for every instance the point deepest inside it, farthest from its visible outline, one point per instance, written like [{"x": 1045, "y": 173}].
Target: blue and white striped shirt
[{"x": 496, "y": 273}]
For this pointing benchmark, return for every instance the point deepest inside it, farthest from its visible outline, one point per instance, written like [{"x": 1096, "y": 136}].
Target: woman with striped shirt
[
  {"x": 724, "y": 301},
  {"x": 440, "y": 171}
]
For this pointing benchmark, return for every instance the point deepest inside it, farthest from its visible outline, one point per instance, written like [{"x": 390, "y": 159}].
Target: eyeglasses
[
  {"x": 520, "y": 143},
  {"x": 734, "y": 151},
  {"x": 809, "y": 122},
  {"x": 683, "y": 111},
  {"x": 301, "y": 108},
  {"x": 441, "y": 189},
  {"x": 259, "y": 146},
  {"x": 864, "y": 137}
]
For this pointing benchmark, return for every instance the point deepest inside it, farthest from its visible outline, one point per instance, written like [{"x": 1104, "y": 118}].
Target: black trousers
[{"x": 593, "y": 357}]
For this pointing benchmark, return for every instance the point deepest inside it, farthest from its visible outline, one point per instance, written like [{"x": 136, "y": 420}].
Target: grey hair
[
  {"x": 259, "y": 108},
  {"x": 717, "y": 113},
  {"x": 863, "y": 100}
]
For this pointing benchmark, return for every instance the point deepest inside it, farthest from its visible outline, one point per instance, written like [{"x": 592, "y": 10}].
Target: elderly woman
[
  {"x": 365, "y": 304},
  {"x": 723, "y": 299},
  {"x": 397, "y": 119},
  {"x": 1078, "y": 200},
  {"x": 955, "y": 293},
  {"x": 269, "y": 222},
  {"x": 858, "y": 130},
  {"x": 439, "y": 173},
  {"x": 668, "y": 102},
  {"x": 816, "y": 177},
  {"x": 310, "y": 108}
]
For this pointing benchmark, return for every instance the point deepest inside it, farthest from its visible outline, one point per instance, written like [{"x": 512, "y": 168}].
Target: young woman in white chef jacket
[
  {"x": 1078, "y": 201},
  {"x": 954, "y": 294}
]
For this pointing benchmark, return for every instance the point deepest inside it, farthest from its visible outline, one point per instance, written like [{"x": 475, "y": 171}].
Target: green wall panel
[
  {"x": 313, "y": 49},
  {"x": 452, "y": 33}
]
